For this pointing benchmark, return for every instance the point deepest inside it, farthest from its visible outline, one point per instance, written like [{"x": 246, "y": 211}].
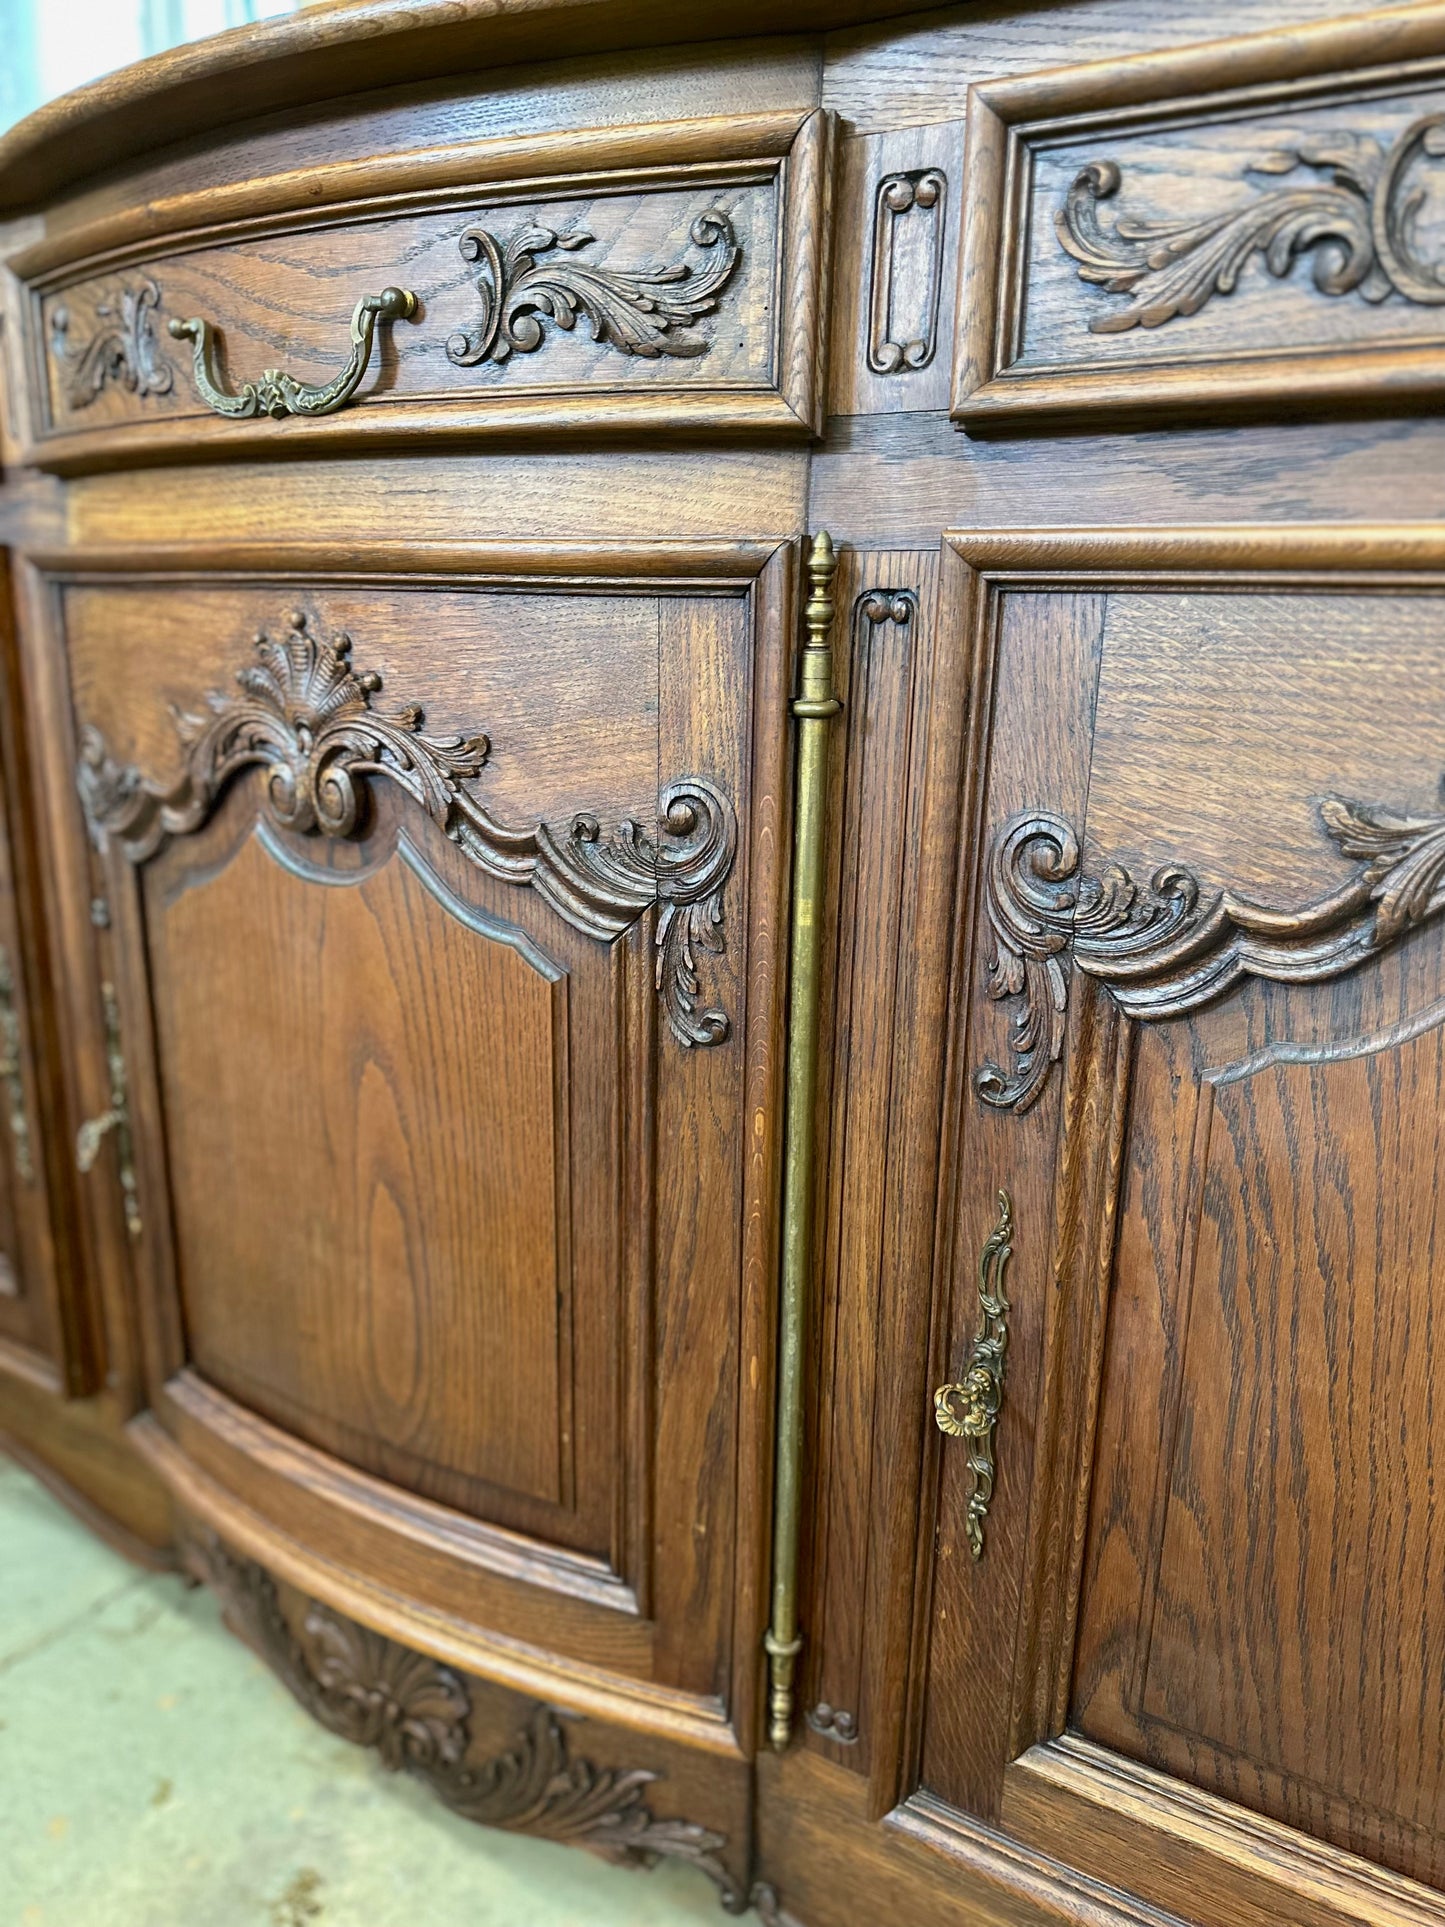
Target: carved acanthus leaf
[
  {"x": 1359, "y": 224},
  {"x": 1171, "y": 946},
  {"x": 648, "y": 312},
  {"x": 305, "y": 717},
  {"x": 122, "y": 349},
  {"x": 416, "y": 1713}
]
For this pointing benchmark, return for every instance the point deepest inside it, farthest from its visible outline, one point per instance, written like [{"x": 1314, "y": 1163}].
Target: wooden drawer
[
  {"x": 1252, "y": 224},
  {"x": 661, "y": 276}
]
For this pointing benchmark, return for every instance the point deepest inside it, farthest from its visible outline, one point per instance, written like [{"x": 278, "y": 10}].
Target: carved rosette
[
  {"x": 415, "y": 1714},
  {"x": 1359, "y": 224},
  {"x": 122, "y": 348},
  {"x": 647, "y": 312},
  {"x": 304, "y": 716},
  {"x": 1169, "y": 947}
]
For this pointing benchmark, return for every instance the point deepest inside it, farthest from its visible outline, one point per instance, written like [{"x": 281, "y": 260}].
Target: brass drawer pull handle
[
  {"x": 278, "y": 393},
  {"x": 94, "y": 1131},
  {"x": 970, "y": 1409},
  {"x": 11, "y": 1074}
]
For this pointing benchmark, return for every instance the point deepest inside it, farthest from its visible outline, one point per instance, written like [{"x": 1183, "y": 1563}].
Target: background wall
[{"x": 49, "y": 46}]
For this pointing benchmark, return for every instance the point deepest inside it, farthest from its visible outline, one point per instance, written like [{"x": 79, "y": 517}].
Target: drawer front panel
[
  {"x": 1256, "y": 223},
  {"x": 548, "y": 287}
]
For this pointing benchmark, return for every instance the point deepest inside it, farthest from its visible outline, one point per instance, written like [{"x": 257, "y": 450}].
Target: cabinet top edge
[{"x": 349, "y": 47}]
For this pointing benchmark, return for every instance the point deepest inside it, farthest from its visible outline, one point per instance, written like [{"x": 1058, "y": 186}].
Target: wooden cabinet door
[
  {"x": 46, "y": 1337},
  {"x": 436, "y": 879},
  {"x": 1185, "y": 1627}
]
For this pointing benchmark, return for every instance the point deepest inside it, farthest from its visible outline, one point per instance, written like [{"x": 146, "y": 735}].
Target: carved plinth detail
[
  {"x": 305, "y": 717},
  {"x": 415, "y": 1714},
  {"x": 1169, "y": 946}
]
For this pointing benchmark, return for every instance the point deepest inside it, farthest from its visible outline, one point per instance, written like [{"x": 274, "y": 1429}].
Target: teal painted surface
[{"x": 154, "y": 1774}]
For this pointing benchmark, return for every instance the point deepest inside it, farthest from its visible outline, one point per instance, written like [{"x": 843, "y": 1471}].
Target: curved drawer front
[
  {"x": 1254, "y": 223},
  {"x": 662, "y": 277}
]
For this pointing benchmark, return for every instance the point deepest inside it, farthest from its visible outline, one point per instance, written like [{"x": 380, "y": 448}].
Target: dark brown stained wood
[
  {"x": 885, "y": 650},
  {"x": 443, "y": 1307},
  {"x": 548, "y": 291},
  {"x": 1037, "y": 746},
  {"x": 47, "y": 1318},
  {"x": 512, "y": 1384},
  {"x": 910, "y": 73},
  {"x": 407, "y": 1060},
  {"x": 1069, "y": 313}
]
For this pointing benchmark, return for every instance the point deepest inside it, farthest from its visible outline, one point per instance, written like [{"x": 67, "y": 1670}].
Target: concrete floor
[{"x": 154, "y": 1774}]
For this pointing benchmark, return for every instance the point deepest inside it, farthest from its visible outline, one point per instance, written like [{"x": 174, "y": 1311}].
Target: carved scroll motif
[
  {"x": 305, "y": 717},
  {"x": 645, "y": 312},
  {"x": 1170, "y": 946},
  {"x": 1359, "y": 223},
  {"x": 903, "y": 322},
  {"x": 415, "y": 1715},
  {"x": 122, "y": 349}
]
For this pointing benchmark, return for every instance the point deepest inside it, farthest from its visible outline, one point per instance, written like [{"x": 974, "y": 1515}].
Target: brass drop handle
[
  {"x": 94, "y": 1131},
  {"x": 970, "y": 1409},
  {"x": 10, "y": 1071},
  {"x": 277, "y": 393}
]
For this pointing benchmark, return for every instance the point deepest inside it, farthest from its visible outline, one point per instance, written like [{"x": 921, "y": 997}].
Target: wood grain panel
[
  {"x": 891, "y": 604},
  {"x": 395, "y": 1218},
  {"x": 1293, "y": 1492},
  {"x": 552, "y": 292}
]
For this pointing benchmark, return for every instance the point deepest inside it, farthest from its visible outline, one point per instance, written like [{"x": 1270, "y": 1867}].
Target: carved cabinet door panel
[
  {"x": 429, "y": 985},
  {"x": 46, "y": 1338},
  {"x": 1184, "y": 1621}
]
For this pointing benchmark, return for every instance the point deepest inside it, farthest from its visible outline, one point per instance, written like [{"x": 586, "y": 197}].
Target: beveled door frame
[
  {"x": 1054, "y": 1788},
  {"x": 763, "y": 576}
]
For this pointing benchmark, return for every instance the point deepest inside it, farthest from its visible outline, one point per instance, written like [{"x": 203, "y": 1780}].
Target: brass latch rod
[{"x": 814, "y": 707}]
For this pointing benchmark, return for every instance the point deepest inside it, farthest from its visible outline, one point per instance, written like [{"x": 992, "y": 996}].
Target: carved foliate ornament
[
  {"x": 415, "y": 1714},
  {"x": 305, "y": 716},
  {"x": 1171, "y": 945},
  {"x": 121, "y": 348},
  {"x": 647, "y": 311},
  {"x": 1358, "y": 223}
]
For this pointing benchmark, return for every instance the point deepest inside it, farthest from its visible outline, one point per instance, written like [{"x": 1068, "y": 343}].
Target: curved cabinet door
[
  {"x": 433, "y": 968},
  {"x": 47, "y": 1343},
  {"x": 1205, "y": 1014}
]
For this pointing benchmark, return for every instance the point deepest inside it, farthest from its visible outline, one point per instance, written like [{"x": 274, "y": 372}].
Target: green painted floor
[{"x": 154, "y": 1774}]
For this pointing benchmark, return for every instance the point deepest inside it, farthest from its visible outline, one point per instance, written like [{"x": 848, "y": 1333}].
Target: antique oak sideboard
[{"x": 722, "y": 921}]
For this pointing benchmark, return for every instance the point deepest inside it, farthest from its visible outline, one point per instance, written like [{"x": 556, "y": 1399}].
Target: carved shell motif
[
  {"x": 1170, "y": 946},
  {"x": 1359, "y": 223},
  {"x": 304, "y": 715}
]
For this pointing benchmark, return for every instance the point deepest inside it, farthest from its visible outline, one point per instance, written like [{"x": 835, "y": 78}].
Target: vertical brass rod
[{"x": 814, "y": 707}]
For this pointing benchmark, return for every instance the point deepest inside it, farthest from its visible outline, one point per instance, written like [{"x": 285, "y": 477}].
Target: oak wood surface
[{"x": 491, "y": 1372}]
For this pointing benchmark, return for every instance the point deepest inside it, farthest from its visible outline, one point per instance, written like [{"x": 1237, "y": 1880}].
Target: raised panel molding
[
  {"x": 645, "y": 311},
  {"x": 1227, "y": 162},
  {"x": 1170, "y": 946},
  {"x": 305, "y": 716},
  {"x": 694, "y": 252},
  {"x": 415, "y": 1714}
]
